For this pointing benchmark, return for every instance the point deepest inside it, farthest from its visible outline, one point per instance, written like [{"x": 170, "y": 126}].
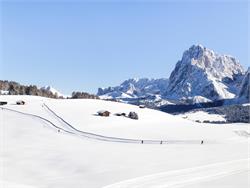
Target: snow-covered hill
[
  {"x": 48, "y": 152},
  {"x": 152, "y": 124},
  {"x": 202, "y": 72},
  {"x": 135, "y": 88},
  {"x": 222, "y": 114}
]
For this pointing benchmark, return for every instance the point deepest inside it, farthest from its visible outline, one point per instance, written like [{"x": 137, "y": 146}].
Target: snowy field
[
  {"x": 50, "y": 143},
  {"x": 202, "y": 116}
]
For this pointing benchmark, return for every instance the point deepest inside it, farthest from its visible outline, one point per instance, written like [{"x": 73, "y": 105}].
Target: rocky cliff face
[{"x": 202, "y": 72}]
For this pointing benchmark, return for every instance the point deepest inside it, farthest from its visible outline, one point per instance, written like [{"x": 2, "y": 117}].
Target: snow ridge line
[{"x": 183, "y": 177}]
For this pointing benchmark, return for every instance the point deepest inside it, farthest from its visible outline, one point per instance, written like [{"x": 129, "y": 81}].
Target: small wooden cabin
[
  {"x": 3, "y": 102},
  {"x": 133, "y": 115},
  {"x": 104, "y": 113},
  {"x": 20, "y": 102},
  {"x": 120, "y": 114}
]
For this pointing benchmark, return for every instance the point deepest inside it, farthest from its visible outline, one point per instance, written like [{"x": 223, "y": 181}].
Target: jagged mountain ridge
[
  {"x": 200, "y": 76},
  {"x": 135, "y": 88}
]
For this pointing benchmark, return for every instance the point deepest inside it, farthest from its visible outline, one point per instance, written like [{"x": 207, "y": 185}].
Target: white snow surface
[
  {"x": 197, "y": 99},
  {"x": 203, "y": 116},
  {"x": 5, "y": 184},
  {"x": 35, "y": 154},
  {"x": 4, "y": 92},
  {"x": 246, "y": 104}
]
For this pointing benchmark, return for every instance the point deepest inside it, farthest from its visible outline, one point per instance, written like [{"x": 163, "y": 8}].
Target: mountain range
[
  {"x": 201, "y": 75},
  {"x": 135, "y": 88}
]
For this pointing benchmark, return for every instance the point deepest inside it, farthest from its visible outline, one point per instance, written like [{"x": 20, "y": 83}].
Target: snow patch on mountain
[
  {"x": 196, "y": 99},
  {"x": 201, "y": 116}
]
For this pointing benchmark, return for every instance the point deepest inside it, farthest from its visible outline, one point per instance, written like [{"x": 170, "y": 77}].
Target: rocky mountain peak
[
  {"x": 200, "y": 75},
  {"x": 203, "y": 72},
  {"x": 194, "y": 52}
]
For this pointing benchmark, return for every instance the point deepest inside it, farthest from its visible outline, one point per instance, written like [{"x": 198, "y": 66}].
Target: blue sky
[{"x": 78, "y": 45}]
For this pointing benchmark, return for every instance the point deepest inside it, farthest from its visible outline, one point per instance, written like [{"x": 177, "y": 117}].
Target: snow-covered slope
[
  {"x": 33, "y": 153},
  {"x": 202, "y": 72},
  {"x": 152, "y": 124},
  {"x": 196, "y": 99},
  {"x": 201, "y": 116},
  {"x": 135, "y": 88}
]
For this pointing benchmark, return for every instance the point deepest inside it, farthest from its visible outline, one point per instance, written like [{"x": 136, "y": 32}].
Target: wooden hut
[
  {"x": 3, "y": 102},
  {"x": 133, "y": 115},
  {"x": 20, "y": 102},
  {"x": 104, "y": 113},
  {"x": 120, "y": 114}
]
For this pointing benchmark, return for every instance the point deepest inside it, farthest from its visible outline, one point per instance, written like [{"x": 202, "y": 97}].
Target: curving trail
[
  {"x": 116, "y": 139},
  {"x": 66, "y": 127},
  {"x": 183, "y": 177}
]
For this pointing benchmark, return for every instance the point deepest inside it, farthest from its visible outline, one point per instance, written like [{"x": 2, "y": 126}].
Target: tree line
[{"x": 14, "y": 88}]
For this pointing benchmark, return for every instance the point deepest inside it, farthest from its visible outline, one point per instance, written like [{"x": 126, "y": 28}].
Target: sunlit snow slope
[{"x": 34, "y": 153}]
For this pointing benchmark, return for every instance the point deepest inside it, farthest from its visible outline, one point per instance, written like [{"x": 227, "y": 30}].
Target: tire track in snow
[{"x": 183, "y": 177}]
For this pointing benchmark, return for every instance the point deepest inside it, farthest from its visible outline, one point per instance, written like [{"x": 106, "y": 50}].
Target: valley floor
[{"x": 34, "y": 154}]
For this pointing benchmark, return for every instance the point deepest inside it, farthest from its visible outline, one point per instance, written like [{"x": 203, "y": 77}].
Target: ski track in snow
[
  {"x": 68, "y": 128},
  {"x": 183, "y": 177},
  {"x": 82, "y": 170}
]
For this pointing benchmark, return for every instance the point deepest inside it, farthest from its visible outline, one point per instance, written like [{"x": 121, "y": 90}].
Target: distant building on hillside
[
  {"x": 3, "y": 102},
  {"x": 120, "y": 114},
  {"x": 103, "y": 113},
  {"x": 20, "y": 102},
  {"x": 133, "y": 115},
  {"x": 142, "y": 106}
]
